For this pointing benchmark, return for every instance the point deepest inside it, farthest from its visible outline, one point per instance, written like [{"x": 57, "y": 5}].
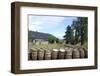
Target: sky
[{"x": 55, "y": 25}]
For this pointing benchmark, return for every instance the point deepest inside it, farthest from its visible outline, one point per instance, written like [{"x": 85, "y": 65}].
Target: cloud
[
  {"x": 54, "y": 25},
  {"x": 59, "y": 34},
  {"x": 34, "y": 26},
  {"x": 37, "y": 23},
  {"x": 44, "y": 22}
]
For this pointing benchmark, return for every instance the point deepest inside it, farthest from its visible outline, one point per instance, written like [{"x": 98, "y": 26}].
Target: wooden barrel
[
  {"x": 61, "y": 54},
  {"x": 33, "y": 54},
  {"x": 29, "y": 56},
  {"x": 76, "y": 53},
  {"x": 86, "y": 52},
  {"x": 40, "y": 54},
  {"x": 54, "y": 54},
  {"x": 68, "y": 53},
  {"x": 47, "y": 54},
  {"x": 82, "y": 53}
]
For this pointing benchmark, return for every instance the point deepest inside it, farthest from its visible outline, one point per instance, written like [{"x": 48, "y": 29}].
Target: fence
[{"x": 53, "y": 54}]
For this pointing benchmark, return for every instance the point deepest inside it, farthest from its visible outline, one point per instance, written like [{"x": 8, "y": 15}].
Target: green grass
[{"x": 31, "y": 45}]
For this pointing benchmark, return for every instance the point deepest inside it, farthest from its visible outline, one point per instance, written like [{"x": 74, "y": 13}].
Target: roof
[{"x": 39, "y": 35}]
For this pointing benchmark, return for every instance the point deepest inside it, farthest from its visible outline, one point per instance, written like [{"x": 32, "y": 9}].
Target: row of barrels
[{"x": 53, "y": 54}]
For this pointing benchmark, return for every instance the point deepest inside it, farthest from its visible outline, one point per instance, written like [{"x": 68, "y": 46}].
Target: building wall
[{"x": 40, "y": 41}]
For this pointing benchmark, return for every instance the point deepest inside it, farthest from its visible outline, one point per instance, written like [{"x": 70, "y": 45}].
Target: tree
[
  {"x": 83, "y": 22},
  {"x": 52, "y": 39},
  {"x": 69, "y": 35},
  {"x": 80, "y": 27},
  {"x": 57, "y": 40},
  {"x": 61, "y": 41},
  {"x": 77, "y": 32}
]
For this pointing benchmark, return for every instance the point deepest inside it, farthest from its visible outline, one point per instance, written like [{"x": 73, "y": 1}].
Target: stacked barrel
[
  {"x": 54, "y": 54},
  {"x": 68, "y": 53},
  {"x": 47, "y": 54},
  {"x": 61, "y": 53}
]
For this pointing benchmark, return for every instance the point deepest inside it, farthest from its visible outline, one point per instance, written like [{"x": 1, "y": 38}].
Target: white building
[{"x": 40, "y": 41}]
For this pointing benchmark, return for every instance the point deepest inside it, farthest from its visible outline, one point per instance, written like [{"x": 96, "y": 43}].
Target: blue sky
[{"x": 55, "y": 25}]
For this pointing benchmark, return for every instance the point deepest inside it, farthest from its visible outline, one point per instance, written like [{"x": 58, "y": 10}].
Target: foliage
[
  {"x": 61, "y": 41},
  {"x": 52, "y": 39},
  {"x": 31, "y": 45},
  {"x": 57, "y": 40},
  {"x": 77, "y": 32},
  {"x": 69, "y": 35}
]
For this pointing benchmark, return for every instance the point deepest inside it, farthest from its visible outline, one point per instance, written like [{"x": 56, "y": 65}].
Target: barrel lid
[
  {"x": 62, "y": 50},
  {"x": 55, "y": 49}
]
